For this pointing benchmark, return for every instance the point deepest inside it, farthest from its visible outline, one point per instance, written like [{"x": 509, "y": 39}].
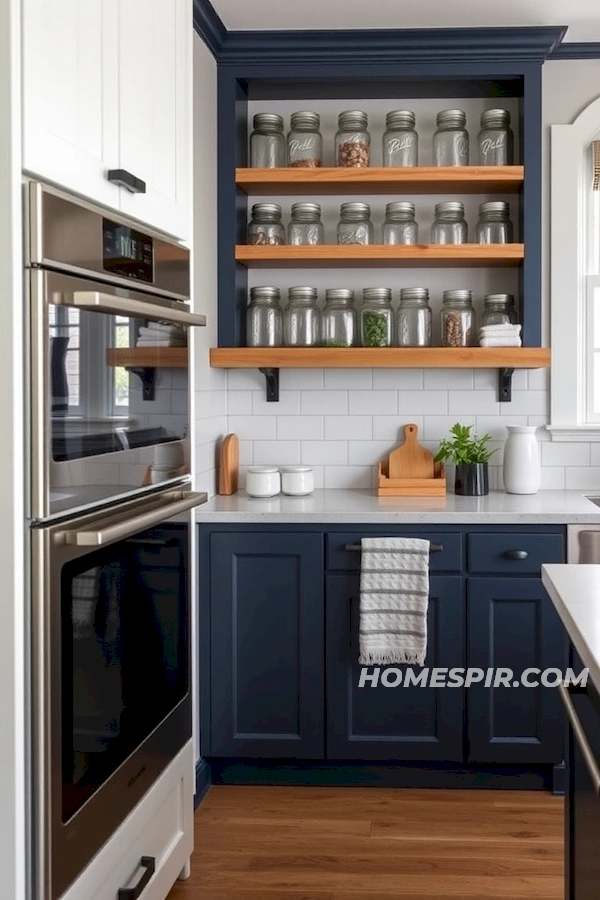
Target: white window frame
[{"x": 573, "y": 263}]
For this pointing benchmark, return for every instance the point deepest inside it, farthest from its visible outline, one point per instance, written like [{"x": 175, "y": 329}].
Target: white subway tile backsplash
[
  {"x": 324, "y": 402},
  {"x": 538, "y": 379},
  {"x": 352, "y": 477},
  {"x": 399, "y": 379},
  {"x": 246, "y": 453},
  {"x": 582, "y": 479},
  {"x": 245, "y": 380},
  {"x": 411, "y": 403},
  {"x": 300, "y": 379},
  {"x": 495, "y": 426},
  {"x": 239, "y": 403},
  {"x": 559, "y": 454},
  {"x": 448, "y": 379},
  {"x": 253, "y": 428},
  {"x": 373, "y": 403},
  {"x": 437, "y": 427},
  {"x": 527, "y": 403},
  {"x": 367, "y": 453},
  {"x": 276, "y": 453},
  {"x": 348, "y": 379},
  {"x": 483, "y": 403},
  {"x": 321, "y": 453},
  {"x": 301, "y": 428},
  {"x": 288, "y": 405},
  {"x": 391, "y": 428},
  {"x": 487, "y": 379},
  {"x": 359, "y": 428},
  {"x": 553, "y": 478}
]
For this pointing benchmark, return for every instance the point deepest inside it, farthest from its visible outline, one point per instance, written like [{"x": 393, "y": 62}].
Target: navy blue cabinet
[
  {"x": 393, "y": 723},
  {"x": 511, "y": 623},
  {"x": 266, "y": 644}
]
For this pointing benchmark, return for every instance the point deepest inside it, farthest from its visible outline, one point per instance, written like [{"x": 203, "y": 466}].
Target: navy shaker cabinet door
[
  {"x": 393, "y": 723},
  {"x": 512, "y": 624},
  {"x": 266, "y": 648}
]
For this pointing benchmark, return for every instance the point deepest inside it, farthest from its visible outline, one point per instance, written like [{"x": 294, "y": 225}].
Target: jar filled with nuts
[
  {"x": 305, "y": 144},
  {"x": 414, "y": 318},
  {"x": 355, "y": 226},
  {"x": 265, "y": 227},
  {"x": 301, "y": 318},
  {"x": 353, "y": 141},
  {"x": 400, "y": 226},
  {"x": 305, "y": 227},
  {"x": 449, "y": 226},
  {"x": 494, "y": 225},
  {"x": 400, "y": 141},
  {"x": 338, "y": 319},
  {"x": 267, "y": 142},
  {"x": 376, "y": 318},
  {"x": 458, "y": 319},
  {"x": 451, "y": 140},
  {"x": 499, "y": 309},
  {"x": 264, "y": 318}
]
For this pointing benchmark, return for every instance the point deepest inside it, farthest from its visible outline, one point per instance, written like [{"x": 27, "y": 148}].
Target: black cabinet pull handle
[
  {"x": 125, "y": 179},
  {"x": 149, "y": 864},
  {"x": 516, "y": 554},
  {"x": 433, "y": 548}
]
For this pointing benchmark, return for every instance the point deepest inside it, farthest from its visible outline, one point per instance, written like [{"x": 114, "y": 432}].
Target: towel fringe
[{"x": 390, "y": 658}]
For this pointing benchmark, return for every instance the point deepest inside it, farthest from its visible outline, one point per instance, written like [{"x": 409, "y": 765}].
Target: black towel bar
[{"x": 433, "y": 548}]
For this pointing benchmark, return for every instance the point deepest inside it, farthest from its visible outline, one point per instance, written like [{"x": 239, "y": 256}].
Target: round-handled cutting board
[
  {"x": 411, "y": 460},
  {"x": 229, "y": 464}
]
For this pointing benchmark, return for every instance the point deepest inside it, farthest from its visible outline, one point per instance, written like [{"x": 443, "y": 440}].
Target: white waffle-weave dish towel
[{"x": 394, "y": 596}]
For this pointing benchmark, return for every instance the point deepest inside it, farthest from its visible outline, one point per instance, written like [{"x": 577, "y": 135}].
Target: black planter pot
[{"x": 471, "y": 480}]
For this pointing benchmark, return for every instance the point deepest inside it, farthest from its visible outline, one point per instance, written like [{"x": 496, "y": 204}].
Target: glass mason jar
[
  {"x": 449, "y": 226},
  {"x": 353, "y": 141},
  {"x": 304, "y": 143},
  {"x": 458, "y": 319},
  {"x": 400, "y": 226},
  {"x": 495, "y": 141},
  {"x": 301, "y": 318},
  {"x": 264, "y": 318},
  {"x": 494, "y": 225},
  {"x": 338, "y": 319},
  {"x": 499, "y": 309},
  {"x": 267, "y": 143},
  {"x": 355, "y": 226},
  {"x": 376, "y": 318},
  {"x": 451, "y": 140},
  {"x": 305, "y": 226},
  {"x": 400, "y": 141},
  {"x": 414, "y": 318},
  {"x": 265, "y": 227}
]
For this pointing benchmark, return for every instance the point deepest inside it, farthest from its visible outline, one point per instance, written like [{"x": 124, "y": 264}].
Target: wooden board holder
[{"x": 411, "y": 487}]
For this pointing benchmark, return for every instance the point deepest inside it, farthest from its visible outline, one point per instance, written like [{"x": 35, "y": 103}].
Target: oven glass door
[{"x": 124, "y": 654}]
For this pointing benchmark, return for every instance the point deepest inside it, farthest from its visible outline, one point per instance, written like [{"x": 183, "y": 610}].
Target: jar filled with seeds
[
  {"x": 449, "y": 226},
  {"x": 264, "y": 318},
  {"x": 305, "y": 227},
  {"x": 301, "y": 318},
  {"x": 494, "y": 225},
  {"x": 495, "y": 141},
  {"x": 400, "y": 141},
  {"x": 265, "y": 227},
  {"x": 458, "y": 319},
  {"x": 451, "y": 140},
  {"x": 338, "y": 319},
  {"x": 304, "y": 143},
  {"x": 267, "y": 142},
  {"x": 353, "y": 141},
  {"x": 414, "y": 318},
  {"x": 499, "y": 309},
  {"x": 400, "y": 226},
  {"x": 376, "y": 318},
  {"x": 355, "y": 226}
]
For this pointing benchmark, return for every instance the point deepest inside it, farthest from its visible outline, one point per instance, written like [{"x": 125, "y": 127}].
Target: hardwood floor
[{"x": 280, "y": 843}]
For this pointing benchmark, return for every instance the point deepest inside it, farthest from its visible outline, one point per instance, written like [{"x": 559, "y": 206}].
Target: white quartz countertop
[
  {"x": 575, "y": 592},
  {"x": 362, "y": 507}
]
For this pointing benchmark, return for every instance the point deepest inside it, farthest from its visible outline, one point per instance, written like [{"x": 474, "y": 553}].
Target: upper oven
[{"x": 109, "y": 317}]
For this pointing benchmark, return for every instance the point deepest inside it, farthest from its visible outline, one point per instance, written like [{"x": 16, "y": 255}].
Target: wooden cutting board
[
  {"x": 411, "y": 460},
  {"x": 229, "y": 464}
]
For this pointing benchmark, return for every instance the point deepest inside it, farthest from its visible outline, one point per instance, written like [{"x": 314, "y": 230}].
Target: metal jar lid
[
  {"x": 266, "y": 211},
  {"x": 450, "y": 208},
  {"x": 400, "y": 118},
  {"x": 459, "y": 296},
  {"x": 414, "y": 295},
  {"x": 265, "y": 294},
  {"x": 306, "y": 212},
  {"x": 355, "y": 210},
  {"x": 302, "y": 294},
  {"x": 498, "y": 300},
  {"x": 494, "y": 208},
  {"x": 353, "y": 120},
  {"x": 451, "y": 118},
  {"x": 377, "y": 295},
  {"x": 305, "y": 121},
  {"x": 268, "y": 122},
  {"x": 399, "y": 210},
  {"x": 495, "y": 118},
  {"x": 339, "y": 295}
]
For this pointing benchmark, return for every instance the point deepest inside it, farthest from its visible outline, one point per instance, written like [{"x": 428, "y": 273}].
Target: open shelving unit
[{"x": 335, "y": 256}]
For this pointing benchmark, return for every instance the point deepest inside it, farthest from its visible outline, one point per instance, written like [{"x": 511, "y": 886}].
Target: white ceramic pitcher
[{"x": 522, "y": 469}]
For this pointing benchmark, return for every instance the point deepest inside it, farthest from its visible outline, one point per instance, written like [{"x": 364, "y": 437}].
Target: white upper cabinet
[{"x": 107, "y": 86}]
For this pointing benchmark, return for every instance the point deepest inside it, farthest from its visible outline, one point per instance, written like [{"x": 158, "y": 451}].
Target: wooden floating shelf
[
  {"x": 324, "y": 256},
  {"x": 379, "y": 180},
  {"x": 380, "y": 357},
  {"x": 148, "y": 357}
]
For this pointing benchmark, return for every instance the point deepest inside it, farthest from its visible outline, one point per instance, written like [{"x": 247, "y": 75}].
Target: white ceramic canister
[
  {"x": 263, "y": 481},
  {"x": 522, "y": 470},
  {"x": 297, "y": 481}
]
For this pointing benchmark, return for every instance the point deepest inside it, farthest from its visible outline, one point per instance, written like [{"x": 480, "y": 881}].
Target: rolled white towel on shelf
[{"x": 500, "y": 341}]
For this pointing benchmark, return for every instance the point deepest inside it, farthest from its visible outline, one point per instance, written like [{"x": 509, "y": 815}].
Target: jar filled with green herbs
[{"x": 376, "y": 318}]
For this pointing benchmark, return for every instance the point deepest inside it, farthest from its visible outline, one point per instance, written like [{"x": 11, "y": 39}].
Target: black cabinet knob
[
  {"x": 125, "y": 179},
  {"x": 516, "y": 554}
]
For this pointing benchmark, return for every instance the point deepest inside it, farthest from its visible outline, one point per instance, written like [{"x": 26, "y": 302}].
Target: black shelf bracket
[
  {"x": 505, "y": 385},
  {"x": 146, "y": 374},
  {"x": 272, "y": 383}
]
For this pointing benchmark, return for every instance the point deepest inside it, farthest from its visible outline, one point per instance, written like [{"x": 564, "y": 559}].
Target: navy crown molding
[
  {"x": 209, "y": 26},
  {"x": 573, "y": 50}
]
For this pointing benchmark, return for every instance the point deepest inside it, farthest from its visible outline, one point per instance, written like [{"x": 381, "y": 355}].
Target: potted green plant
[{"x": 470, "y": 454}]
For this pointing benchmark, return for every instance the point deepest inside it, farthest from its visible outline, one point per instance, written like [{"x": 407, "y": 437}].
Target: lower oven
[{"x": 111, "y": 672}]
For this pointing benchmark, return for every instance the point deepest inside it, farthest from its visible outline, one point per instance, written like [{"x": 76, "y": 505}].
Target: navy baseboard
[
  {"x": 203, "y": 781},
  {"x": 344, "y": 774}
]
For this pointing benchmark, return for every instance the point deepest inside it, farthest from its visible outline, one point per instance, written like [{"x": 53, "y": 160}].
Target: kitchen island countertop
[{"x": 575, "y": 592}]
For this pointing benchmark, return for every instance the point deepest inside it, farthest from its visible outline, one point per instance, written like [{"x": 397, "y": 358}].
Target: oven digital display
[{"x": 127, "y": 252}]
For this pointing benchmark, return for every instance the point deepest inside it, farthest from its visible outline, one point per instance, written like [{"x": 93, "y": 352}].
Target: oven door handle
[
  {"x": 579, "y": 735},
  {"x": 100, "y": 302},
  {"x": 123, "y": 528}
]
